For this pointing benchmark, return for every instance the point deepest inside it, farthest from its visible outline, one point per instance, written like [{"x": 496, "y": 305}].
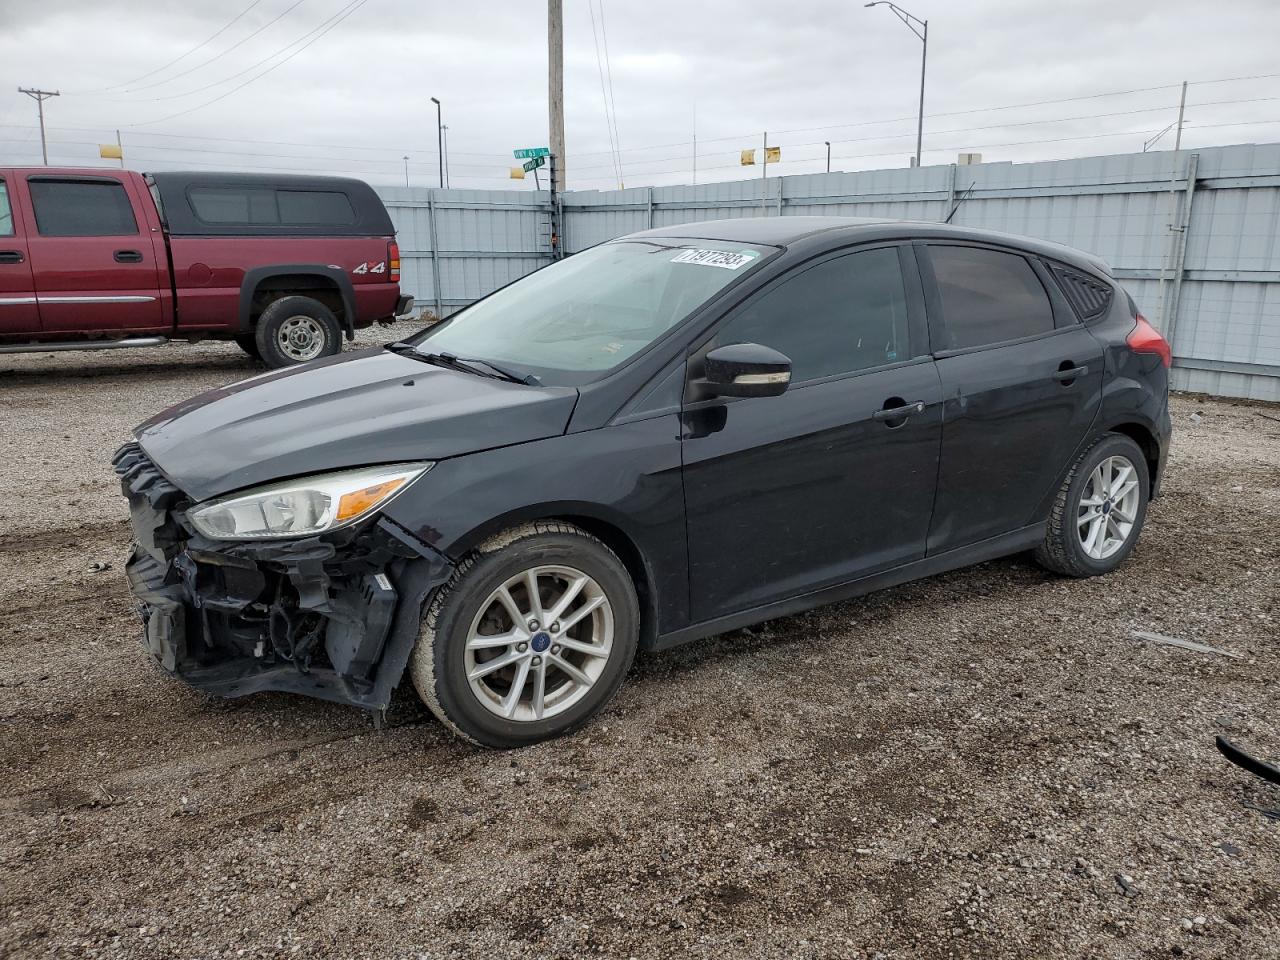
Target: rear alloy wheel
[
  {"x": 1098, "y": 513},
  {"x": 531, "y": 637},
  {"x": 295, "y": 330}
]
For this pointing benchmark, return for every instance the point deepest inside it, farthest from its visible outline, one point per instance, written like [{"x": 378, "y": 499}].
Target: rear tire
[
  {"x": 551, "y": 677},
  {"x": 295, "y": 330},
  {"x": 1097, "y": 516}
]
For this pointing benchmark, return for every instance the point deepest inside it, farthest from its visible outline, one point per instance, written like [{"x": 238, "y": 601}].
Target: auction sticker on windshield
[{"x": 715, "y": 258}]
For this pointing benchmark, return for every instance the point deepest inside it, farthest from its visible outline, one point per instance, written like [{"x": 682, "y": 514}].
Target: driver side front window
[{"x": 840, "y": 316}]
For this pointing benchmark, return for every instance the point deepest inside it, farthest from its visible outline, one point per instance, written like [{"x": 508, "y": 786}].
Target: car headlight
[{"x": 304, "y": 506}]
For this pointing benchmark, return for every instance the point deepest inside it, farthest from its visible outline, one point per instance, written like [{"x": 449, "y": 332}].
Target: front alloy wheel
[
  {"x": 531, "y": 637},
  {"x": 539, "y": 643}
]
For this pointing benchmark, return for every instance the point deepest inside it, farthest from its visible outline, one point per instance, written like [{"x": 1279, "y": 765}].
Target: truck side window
[
  {"x": 6, "y": 212},
  {"x": 82, "y": 208}
]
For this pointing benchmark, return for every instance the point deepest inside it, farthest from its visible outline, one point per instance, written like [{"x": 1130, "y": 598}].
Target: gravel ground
[{"x": 984, "y": 764}]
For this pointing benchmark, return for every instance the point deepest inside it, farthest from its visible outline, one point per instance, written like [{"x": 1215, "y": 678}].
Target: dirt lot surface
[{"x": 985, "y": 764}]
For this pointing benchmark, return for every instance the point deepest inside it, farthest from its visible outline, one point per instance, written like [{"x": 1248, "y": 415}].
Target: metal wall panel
[{"x": 1202, "y": 263}]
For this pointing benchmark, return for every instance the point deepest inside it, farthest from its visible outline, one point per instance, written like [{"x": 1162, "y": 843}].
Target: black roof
[
  {"x": 787, "y": 230},
  {"x": 369, "y": 216}
]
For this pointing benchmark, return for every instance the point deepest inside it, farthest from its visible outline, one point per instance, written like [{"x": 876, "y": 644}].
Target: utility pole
[
  {"x": 1182, "y": 109},
  {"x": 439, "y": 140},
  {"x": 555, "y": 90},
  {"x": 445, "y": 129},
  {"x": 40, "y": 96},
  {"x": 764, "y": 178}
]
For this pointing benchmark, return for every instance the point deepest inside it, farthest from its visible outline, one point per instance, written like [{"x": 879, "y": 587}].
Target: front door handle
[
  {"x": 128, "y": 256},
  {"x": 11, "y": 256},
  {"x": 1067, "y": 374},
  {"x": 899, "y": 412}
]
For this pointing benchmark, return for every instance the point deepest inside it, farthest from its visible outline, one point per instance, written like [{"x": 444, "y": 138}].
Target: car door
[
  {"x": 788, "y": 494},
  {"x": 18, "y": 313},
  {"x": 1021, "y": 381},
  {"x": 94, "y": 268}
]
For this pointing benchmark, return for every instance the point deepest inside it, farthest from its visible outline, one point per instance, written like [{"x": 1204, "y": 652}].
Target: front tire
[
  {"x": 249, "y": 344},
  {"x": 295, "y": 330},
  {"x": 532, "y": 636},
  {"x": 1097, "y": 516}
]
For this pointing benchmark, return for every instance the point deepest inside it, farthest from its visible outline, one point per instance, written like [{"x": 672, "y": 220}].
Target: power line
[
  {"x": 995, "y": 126},
  {"x": 429, "y": 151},
  {"x": 203, "y": 43},
  {"x": 613, "y": 105},
  {"x": 955, "y": 113},
  {"x": 200, "y": 66},
  {"x": 324, "y": 28},
  {"x": 615, "y": 159}
]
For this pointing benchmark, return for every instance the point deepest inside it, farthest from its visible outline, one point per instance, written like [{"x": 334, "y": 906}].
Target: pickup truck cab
[{"x": 282, "y": 265}]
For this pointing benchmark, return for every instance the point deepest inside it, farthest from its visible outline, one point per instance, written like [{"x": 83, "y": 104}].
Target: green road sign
[
  {"x": 535, "y": 163},
  {"x": 528, "y": 152}
]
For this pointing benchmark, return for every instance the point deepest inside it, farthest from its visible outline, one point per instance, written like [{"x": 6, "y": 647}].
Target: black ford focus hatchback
[{"x": 667, "y": 436}]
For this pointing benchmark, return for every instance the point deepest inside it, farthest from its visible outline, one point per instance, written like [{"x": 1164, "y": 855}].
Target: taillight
[
  {"x": 393, "y": 262},
  {"x": 1144, "y": 338}
]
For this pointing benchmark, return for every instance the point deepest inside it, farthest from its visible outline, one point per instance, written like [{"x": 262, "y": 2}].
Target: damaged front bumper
[{"x": 333, "y": 616}]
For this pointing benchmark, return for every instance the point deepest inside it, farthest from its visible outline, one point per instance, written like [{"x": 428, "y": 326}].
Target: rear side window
[
  {"x": 987, "y": 297},
  {"x": 234, "y": 205},
  {"x": 841, "y": 316},
  {"x": 82, "y": 208},
  {"x": 248, "y": 206},
  {"x": 6, "y": 212},
  {"x": 315, "y": 207}
]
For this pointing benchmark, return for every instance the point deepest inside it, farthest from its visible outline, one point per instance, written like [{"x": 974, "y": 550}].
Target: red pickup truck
[{"x": 282, "y": 265}]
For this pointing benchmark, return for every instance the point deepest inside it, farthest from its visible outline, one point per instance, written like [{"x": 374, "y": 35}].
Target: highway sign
[{"x": 528, "y": 152}]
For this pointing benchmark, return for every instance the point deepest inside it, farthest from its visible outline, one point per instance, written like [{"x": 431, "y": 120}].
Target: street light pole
[
  {"x": 406, "y": 169},
  {"x": 828, "y": 143},
  {"x": 921, "y": 29},
  {"x": 439, "y": 140}
]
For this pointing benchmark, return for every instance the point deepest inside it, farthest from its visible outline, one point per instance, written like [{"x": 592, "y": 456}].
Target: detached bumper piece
[{"x": 333, "y": 616}]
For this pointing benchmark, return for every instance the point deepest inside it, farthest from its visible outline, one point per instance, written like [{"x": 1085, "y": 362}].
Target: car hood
[{"x": 354, "y": 410}]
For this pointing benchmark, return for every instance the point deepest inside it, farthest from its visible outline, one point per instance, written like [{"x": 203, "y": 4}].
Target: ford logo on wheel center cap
[{"x": 540, "y": 641}]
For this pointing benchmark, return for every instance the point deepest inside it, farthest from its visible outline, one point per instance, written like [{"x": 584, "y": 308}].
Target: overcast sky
[{"x": 350, "y": 81}]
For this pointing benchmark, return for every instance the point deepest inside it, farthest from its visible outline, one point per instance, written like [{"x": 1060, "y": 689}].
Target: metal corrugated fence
[{"x": 1194, "y": 236}]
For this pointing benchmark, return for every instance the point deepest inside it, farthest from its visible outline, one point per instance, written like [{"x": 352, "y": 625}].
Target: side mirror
[{"x": 746, "y": 370}]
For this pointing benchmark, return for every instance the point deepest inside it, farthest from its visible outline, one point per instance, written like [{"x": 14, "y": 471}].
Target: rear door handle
[
  {"x": 900, "y": 412},
  {"x": 1070, "y": 373},
  {"x": 11, "y": 256},
  {"x": 128, "y": 256}
]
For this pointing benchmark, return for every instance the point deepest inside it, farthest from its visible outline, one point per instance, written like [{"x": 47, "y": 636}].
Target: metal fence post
[
  {"x": 951, "y": 191},
  {"x": 780, "y": 182},
  {"x": 435, "y": 254},
  {"x": 1180, "y": 250},
  {"x": 650, "y": 221}
]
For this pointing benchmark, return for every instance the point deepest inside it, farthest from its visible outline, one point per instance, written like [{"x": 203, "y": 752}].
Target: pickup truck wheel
[
  {"x": 249, "y": 344},
  {"x": 296, "y": 330}
]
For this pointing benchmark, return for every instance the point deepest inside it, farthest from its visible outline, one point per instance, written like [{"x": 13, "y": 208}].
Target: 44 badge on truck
[{"x": 372, "y": 266}]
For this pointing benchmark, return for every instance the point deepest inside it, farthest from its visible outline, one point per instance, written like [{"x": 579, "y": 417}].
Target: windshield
[{"x": 582, "y": 316}]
